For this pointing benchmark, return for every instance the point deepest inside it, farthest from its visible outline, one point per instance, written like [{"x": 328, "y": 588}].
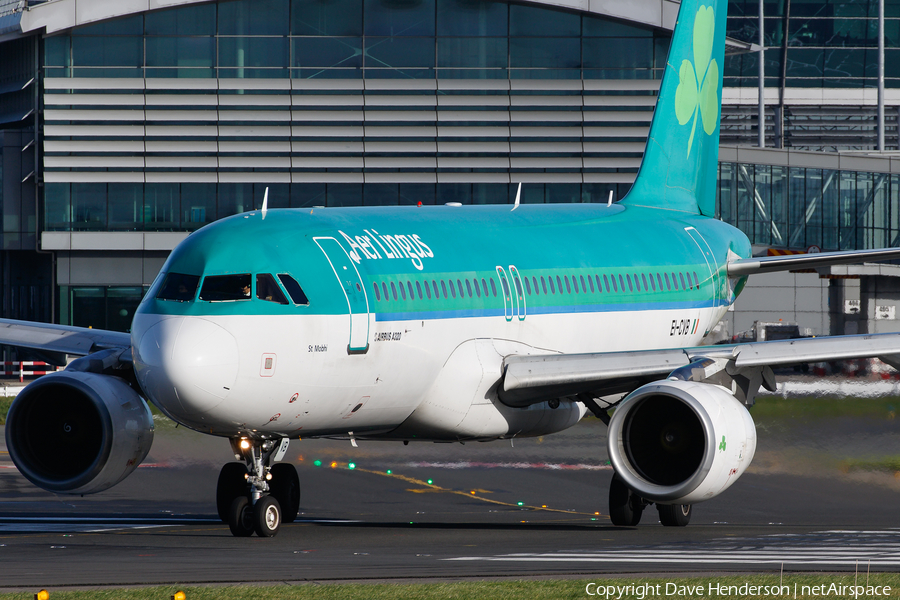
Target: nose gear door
[{"x": 354, "y": 290}]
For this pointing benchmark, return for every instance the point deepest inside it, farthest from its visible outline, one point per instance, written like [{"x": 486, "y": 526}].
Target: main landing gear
[
  {"x": 626, "y": 507},
  {"x": 256, "y": 495}
]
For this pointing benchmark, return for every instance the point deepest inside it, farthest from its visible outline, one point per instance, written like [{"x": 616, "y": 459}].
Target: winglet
[
  {"x": 265, "y": 205},
  {"x": 518, "y": 195}
]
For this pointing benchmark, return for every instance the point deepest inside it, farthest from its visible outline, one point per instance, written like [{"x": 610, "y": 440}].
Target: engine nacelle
[
  {"x": 680, "y": 442},
  {"x": 78, "y": 432}
]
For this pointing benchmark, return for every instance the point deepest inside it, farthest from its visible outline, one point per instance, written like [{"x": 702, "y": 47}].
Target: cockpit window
[
  {"x": 267, "y": 289},
  {"x": 293, "y": 288},
  {"x": 222, "y": 288},
  {"x": 178, "y": 287}
]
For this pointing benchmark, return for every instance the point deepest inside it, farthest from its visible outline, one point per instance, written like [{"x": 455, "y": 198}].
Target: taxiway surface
[{"x": 455, "y": 511}]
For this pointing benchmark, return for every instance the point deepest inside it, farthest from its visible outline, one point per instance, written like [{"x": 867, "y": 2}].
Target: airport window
[
  {"x": 394, "y": 290},
  {"x": 591, "y": 282},
  {"x": 296, "y": 292},
  {"x": 452, "y": 289},
  {"x": 615, "y": 286},
  {"x": 505, "y": 285},
  {"x": 637, "y": 283},
  {"x": 179, "y": 287},
  {"x": 444, "y": 288},
  {"x": 268, "y": 290},
  {"x": 584, "y": 287},
  {"x": 696, "y": 281},
  {"x": 402, "y": 291},
  {"x": 493, "y": 288},
  {"x": 409, "y": 287},
  {"x": 427, "y": 290},
  {"x": 384, "y": 289},
  {"x": 552, "y": 288},
  {"x": 681, "y": 275},
  {"x": 644, "y": 279},
  {"x": 605, "y": 281},
  {"x": 518, "y": 285},
  {"x": 675, "y": 281},
  {"x": 568, "y": 287},
  {"x": 459, "y": 286},
  {"x": 543, "y": 285},
  {"x": 419, "y": 290},
  {"x": 534, "y": 284},
  {"x": 652, "y": 283},
  {"x": 224, "y": 288},
  {"x": 559, "y": 284},
  {"x": 377, "y": 294},
  {"x": 468, "y": 288},
  {"x": 527, "y": 286},
  {"x": 622, "y": 283},
  {"x": 660, "y": 281},
  {"x": 575, "y": 284},
  {"x": 477, "y": 289},
  {"x": 437, "y": 293},
  {"x": 628, "y": 279}
]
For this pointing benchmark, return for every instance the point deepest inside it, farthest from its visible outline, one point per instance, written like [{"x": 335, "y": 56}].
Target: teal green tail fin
[{"x": 678, "y": 171}]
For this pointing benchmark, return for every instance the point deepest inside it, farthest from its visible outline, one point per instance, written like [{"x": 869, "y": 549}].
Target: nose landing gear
[{"x": 256, "y": 495}]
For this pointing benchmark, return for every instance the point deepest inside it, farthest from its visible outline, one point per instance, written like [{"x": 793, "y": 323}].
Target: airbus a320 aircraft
[{"x": 447, "y": 323}]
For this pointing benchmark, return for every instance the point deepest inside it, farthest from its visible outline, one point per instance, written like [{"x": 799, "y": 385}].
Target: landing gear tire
[
  {"x": 674, "y": 515},
  {"x": 625, "y": 507},
  {"x": 285, "y": 487},
  {"x": 232, "y": 483},
  {"x": 240, "y": 517},
  {"x": 266, "y": 516}
]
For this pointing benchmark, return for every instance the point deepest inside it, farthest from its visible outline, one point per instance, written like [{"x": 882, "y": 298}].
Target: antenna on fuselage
[
  {"x": 265, "y": 202},
  {"x": 518, "y": 195},
  {"x": 608, "y": 202}
]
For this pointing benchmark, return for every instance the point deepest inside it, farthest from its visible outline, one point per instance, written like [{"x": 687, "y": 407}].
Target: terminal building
[{"x": 127, "y": 124}]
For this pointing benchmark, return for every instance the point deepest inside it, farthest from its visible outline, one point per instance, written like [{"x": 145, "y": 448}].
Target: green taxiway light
[
  {"x": 521, "y": 504},
  {"x": 318, "y": 463},
  {"x": 351, "y": 466},
  {"x": 389, "y": 471},
  {"x": 430, "y": 481}
]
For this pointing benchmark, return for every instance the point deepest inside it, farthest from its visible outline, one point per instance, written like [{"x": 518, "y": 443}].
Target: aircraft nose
[{"x": 187, "y": 364}]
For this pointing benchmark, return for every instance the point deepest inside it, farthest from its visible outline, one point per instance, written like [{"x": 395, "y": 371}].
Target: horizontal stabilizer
[{"x": 770, "y": 264}]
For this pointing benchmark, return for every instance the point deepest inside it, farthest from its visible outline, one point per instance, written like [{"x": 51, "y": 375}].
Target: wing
[
  {"x": 531, "y": 379},
  {"x": 61, "y": 339}
]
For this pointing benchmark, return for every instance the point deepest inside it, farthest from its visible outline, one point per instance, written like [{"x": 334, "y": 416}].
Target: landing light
[
  {"x": 245, "y": 444},
  {"x": 268, "y": 477}
]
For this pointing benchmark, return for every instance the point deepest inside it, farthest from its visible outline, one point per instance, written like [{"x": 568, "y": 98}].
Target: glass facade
[
  {"x": 800, "y": 207},
  {"x": 828, "y": 43},
  {"x": 100, "y": 307},
  {"x": 427, "y": 39}
]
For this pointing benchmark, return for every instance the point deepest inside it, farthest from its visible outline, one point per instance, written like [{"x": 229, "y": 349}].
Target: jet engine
[
  {"x": 78, "y": 432},
  {"x": 680, "y": 442}
]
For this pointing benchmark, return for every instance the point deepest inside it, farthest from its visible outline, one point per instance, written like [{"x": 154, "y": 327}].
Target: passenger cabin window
[
  {"x": 294, "y": 290},
  {"x": 268, "y": 290},
  {"x": 226, "y": 288},
  {"x": 179, "y": 287}
]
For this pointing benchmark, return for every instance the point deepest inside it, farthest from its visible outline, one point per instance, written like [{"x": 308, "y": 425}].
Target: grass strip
[
  {"x": 816, "y": 585},
  {"x": 824, "y": 407}
]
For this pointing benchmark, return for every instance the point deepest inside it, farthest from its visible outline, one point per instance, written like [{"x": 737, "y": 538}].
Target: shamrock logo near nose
[{"x": 698, "y": 87}]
